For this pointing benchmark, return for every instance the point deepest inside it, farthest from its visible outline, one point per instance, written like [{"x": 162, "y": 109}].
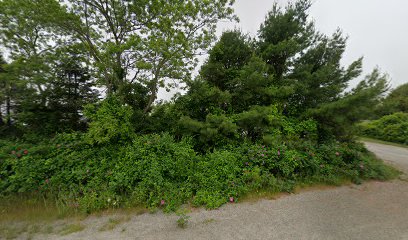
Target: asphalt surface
[
  {"x": 395, "y": 156},
  {"x": 372, "y": 211}
]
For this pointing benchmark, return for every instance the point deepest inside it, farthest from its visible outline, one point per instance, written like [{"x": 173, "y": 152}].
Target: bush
[
  {"x": 218, "y": 177},
  {"x": 392, "y": 128},
  {"x": 110, "y": 122},
  {"x": 157, "y": 171},
  {"x": 154, "y": 167}
]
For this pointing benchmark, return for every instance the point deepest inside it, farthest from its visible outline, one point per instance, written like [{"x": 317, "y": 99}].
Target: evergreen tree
[
  {"x": 396, "y": 101},
  {"x": 293, "y": 69},
  {"x": 284, "y": 34},
  {"x": 226, "y": 59}
]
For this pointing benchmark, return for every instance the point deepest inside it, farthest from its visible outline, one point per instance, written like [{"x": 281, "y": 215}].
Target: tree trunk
[
  {"x": 153, "y": 87},
  {"x": 1, "y": 118},
  {"x": 152, "y": 98},
  {"x": 8, "y": 111}
]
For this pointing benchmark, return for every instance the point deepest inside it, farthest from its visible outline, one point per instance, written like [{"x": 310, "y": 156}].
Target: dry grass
[
  {"x": 72, "y": 228},
  {"x": 33, "y": 210},
  {"x": 14, "y": 210},
  {"x": 209, "y": 220},
  {"x": 26, "y": 216},
  {"x": 300, "y": 187},
  {"x": 255, "y": 196},
  {"x": 12, "y": 231},
  {"x": 319, "y": 187},
  {"x": 114, "y": 222},
  {"x": 134, "y": 211}
]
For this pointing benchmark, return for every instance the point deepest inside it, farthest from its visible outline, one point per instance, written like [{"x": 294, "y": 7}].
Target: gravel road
[{"x": 373, "y": 210}]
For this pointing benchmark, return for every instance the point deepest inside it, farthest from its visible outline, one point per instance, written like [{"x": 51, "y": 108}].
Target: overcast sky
[{"x": 377, "y": 29}]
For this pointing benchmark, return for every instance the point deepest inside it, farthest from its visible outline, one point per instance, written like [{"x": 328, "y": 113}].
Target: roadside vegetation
[
  {"x": 265, "y": 114},
  {"x": 390, "y": 121},
  {"x": 390, "y": 128}
]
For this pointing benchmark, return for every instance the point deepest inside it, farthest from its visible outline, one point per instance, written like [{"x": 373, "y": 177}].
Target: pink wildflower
[
  {"x": 162, "y": 202},
  {"x": 231, "y": 199},
  {"x": 278, "y": 152},
  {"x": 262, "y": 155}
]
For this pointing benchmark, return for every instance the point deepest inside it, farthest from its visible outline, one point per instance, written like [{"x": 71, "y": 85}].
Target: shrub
[
  {"x": 151, "y": 167},
  {"x": 110, "y": 122},
  {"x": 157, "y": 171},
  {"x": 392, "y": 128},
  {"x": 218, "y": 177}
]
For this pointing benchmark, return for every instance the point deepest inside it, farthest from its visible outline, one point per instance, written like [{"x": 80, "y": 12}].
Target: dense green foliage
[
  {"x": 290, "y": 76},
  {"x": 58, "y": 49},
  {"x": 391, "y": 128},
  {"x": 389, "y": 121},
  {"x": 157, "y": 171},
  {"x": 271, "y": 113},
  {"x": 396, "y": 101}
]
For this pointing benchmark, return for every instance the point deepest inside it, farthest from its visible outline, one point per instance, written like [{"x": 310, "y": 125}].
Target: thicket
[
  {"x": 389, "y": 121},
  {"x": 396, "y": 101},
  {"x": 391, "y": 128},
  {"x": 156, "y": 171},
  {"x": 267, "y": 113}
]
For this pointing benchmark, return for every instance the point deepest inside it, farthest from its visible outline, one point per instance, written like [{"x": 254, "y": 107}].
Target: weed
[
  {"x": 209, "y": 220},
  {"x": 113, "y": 223},
  {"x": 32, "y": 209},
  {"x": 72, "y": 228},
  {"x": 183, "y": 221}
]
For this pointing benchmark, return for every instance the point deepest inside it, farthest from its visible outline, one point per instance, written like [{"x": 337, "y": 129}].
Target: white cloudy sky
[{"x": 377, "y": 29}]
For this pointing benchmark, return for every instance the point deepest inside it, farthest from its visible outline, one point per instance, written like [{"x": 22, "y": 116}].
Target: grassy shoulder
[
  {"x": 29, "y": 216},
  {"x": 373, "y": 140}
]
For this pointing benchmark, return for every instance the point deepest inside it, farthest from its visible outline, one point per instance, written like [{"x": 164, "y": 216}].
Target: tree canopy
[
  {"x": 396, "y": 101},
  {"x": 61, "y": 52},
  {"x": 293, "y": 69},
  {"x": 128, "y": 48}
]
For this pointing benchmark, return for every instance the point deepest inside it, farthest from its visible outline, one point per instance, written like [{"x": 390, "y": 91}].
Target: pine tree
[
  {"x": 293, "y": 68},
  {"x": 396, "y": 101}
]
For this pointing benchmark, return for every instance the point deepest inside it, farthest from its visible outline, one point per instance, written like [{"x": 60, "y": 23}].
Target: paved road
[
  {"x": 396, "y": 156},
  {"x": 372, "y": 211}
]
